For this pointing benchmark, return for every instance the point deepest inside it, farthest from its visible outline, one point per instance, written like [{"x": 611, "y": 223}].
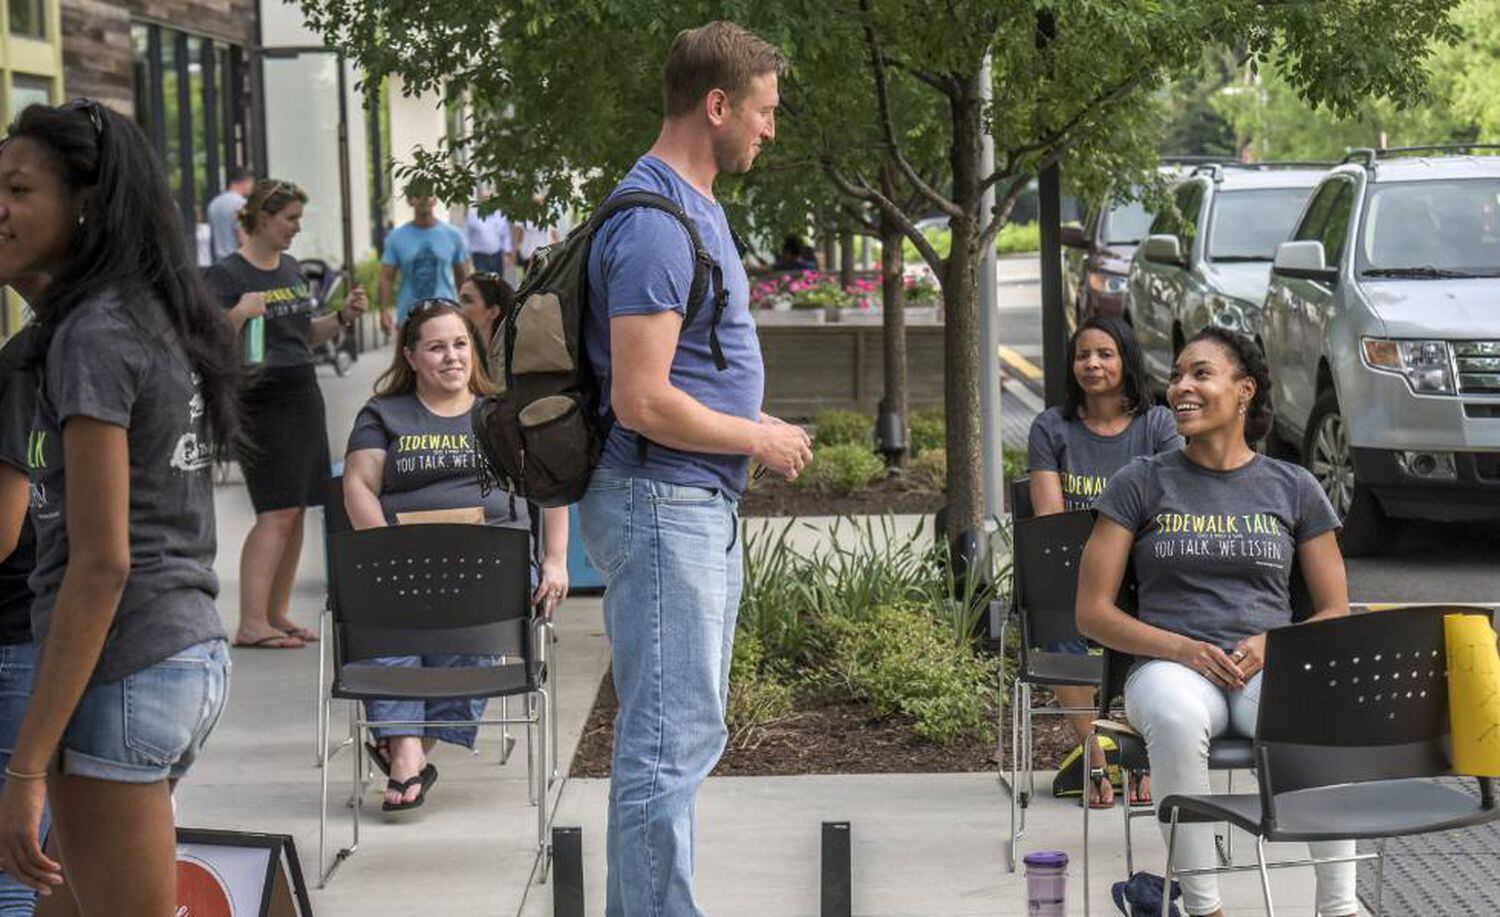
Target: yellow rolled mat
[{"x": 1473, "y": 694}]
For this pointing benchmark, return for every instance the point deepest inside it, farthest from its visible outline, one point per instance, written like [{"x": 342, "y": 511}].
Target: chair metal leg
[
  {"x": 1015, "y": 785},
  {"x": 323, "y": 870},
  {"x": 1226, "y": 852},
  {"x": 321, "y": 754},
  {"x": 531, "y": 749},
  {"x": 1093, "y": 737},
  {"x": 507, "y": 741},
  {"x": 1129, "y": 844},
  {"x": 1030, "y": 755},
  {"x": 1380, "y": 877},
  {"x": 1166, "y": 878},
  {"x": 544, "y": 768},
  {"x": 1000, "y": 708},
  {"x": 1265, "y": 875},
  {"x": 551, "y": 695}
]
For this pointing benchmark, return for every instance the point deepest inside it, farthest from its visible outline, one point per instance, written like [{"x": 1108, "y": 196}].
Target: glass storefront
[{"x": 190, "y": 100}]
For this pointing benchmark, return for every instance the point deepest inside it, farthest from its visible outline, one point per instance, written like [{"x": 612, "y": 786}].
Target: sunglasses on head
[
  {"x": 486, "y": 276},
  {"x": 90, "y": 108},
  {"x": 425, "y": 305}
]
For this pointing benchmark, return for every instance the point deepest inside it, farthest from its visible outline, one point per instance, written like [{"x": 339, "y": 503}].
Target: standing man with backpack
[{"x": 660, "y": 516}]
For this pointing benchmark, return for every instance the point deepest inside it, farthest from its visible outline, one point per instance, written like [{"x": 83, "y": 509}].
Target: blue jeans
[
  {"x": 670, "y": 556},
  {"x": 17, "y": 668},
  {"x": 440, "y": 710},
  {"x": 149, "y": 725}
]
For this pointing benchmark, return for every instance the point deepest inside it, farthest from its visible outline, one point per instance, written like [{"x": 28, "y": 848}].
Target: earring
[
  {"x": 80, "y": 219},
  {"x": 1242, "y": 409}
]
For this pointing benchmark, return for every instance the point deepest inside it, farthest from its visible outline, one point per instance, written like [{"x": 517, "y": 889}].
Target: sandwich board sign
[{"x": 238, "y": 874}]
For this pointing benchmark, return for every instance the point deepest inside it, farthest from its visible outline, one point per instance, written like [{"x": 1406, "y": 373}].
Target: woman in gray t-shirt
[
  {"x": 1213, "y": 530},
  {"x": 1105, "y": 420},
  {"x": 412, "y": 451}
]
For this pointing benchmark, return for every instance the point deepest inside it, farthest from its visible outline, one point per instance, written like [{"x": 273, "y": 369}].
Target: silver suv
[
  {"x": 1208, "y": 259},
  {"x": 1383, "y": 337}
]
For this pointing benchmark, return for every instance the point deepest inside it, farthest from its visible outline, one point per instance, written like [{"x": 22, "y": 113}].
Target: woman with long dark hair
[
  {"x": 1213, "y": 530},
  {"x": 1106, "y": 419},
  {"x": 286, "y": 455},
  {"x": 411, "y": 455},
  {"x": 486, "y": 299},
  {"x": 138, "y": 394}
]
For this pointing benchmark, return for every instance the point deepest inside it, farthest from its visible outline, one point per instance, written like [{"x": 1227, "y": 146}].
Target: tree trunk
[
  {"x": 961, "y": 332},
  {"x": 846, "y": 258},
  {"x": 893, "y": 301},
  {"x": 830, "y": 249}
]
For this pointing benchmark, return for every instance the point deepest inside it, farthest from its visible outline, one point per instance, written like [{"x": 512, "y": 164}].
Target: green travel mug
[{"x": 255, "y": 340}]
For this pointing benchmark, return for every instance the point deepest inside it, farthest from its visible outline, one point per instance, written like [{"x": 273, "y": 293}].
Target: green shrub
[
  {"x": 1014, "y": 461},
  {"x": 929, "y": 429},
  {"x": 902, "y": 660},
  {"x": 367, "y": 275},
  {"x": 844, "y": 469},
  {"x": 840, "y": 428},
  {"x": 1016, "y": 238},
  {"x": 758, "y": 695},
  {"x": 930, "y": 468}
]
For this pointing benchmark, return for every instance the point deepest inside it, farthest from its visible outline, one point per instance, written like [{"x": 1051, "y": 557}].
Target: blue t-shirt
[
  {"x": 425, "y": 258},
  {"x": 642, "y": 263}
]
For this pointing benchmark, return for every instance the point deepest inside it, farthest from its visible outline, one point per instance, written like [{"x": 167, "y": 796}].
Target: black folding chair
[
  {"x": 1047, "y": 550},
  {"x": 1357, "y": 764},
  {"x": 1225, "y": 753},
  {"x": 435, "y": 590}
]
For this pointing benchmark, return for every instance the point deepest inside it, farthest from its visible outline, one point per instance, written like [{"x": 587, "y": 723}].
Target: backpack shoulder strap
[{"x": 706, "y": 271}]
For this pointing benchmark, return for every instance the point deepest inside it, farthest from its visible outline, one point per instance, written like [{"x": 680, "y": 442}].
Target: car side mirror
[
  {"x": 1166, "y": 249},
  {"x": 1304, "y": 259},
  {"x": 1071, "y": 235}
]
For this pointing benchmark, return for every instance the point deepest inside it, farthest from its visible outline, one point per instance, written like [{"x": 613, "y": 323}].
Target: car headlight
[
  {"x": 1227, "y": 314},
  {"x": 1427, "y": 365},
  {"x": 1106, "y": 283}
]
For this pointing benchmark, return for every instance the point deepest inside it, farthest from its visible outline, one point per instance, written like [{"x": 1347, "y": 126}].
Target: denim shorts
[{"x": 149, "y": 725}]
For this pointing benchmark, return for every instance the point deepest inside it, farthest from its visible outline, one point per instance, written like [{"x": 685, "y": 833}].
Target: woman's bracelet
[{"x": 19, "y": 776}]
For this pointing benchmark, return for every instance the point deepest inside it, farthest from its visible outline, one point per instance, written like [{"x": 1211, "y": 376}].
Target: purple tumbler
[{"x": 1046, "y": 883}]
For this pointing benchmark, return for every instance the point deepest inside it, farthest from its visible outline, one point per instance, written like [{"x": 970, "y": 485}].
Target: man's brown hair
[{"x": 719, "y": 55}]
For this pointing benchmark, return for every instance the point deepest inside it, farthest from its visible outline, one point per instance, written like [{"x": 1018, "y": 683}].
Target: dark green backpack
[{"x": 541, "y": 436}]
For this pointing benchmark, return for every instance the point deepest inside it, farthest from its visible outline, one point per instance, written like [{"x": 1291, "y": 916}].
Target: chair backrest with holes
[
  {"x": 335, "y": 516},
  {"x": 1356, "y": 698},
  {"x": 1047, "y": 552},
  {"x": 407, "y": 590}
]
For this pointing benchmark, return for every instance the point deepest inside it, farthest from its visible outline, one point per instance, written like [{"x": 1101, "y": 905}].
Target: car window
[
  {"x": 1127, "y": 224},
  {"x": 1335, "y": 230},
  {"x": 1451, "y": 225},
  {"x": 1316, "y": 217},
  {"x": 1249, "y": 224},
  {"x": 1181, "y": 221}
]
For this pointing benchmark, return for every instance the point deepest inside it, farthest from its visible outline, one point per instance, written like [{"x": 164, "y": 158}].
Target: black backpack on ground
[{"x": 542, "y": 435}]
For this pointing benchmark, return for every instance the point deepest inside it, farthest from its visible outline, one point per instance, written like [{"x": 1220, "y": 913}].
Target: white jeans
[{"x": 1178, "y": 711}]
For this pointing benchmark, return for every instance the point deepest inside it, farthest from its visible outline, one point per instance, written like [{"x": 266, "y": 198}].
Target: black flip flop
[{"x": 427, "y": 778}]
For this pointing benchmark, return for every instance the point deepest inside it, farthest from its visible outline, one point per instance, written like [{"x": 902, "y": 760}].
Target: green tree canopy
[{"x": 569, "y": 97}]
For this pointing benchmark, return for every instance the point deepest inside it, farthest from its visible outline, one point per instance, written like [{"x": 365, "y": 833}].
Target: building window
[
  {"x": 28, "y": 18},
  {"x": 189, "y": 101},
  {"x": 28, "y": 90}
]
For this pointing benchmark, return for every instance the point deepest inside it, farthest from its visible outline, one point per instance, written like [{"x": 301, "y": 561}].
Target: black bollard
[
  {"x": 567, "y": 872},
  {"x": 837, "y": 883}
]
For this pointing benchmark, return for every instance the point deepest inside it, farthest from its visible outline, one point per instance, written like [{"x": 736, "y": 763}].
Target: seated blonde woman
[{"x": 412, "y": 452}]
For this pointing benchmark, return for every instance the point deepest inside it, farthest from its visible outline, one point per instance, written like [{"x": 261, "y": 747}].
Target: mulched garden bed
[
  {"x": 829, "y": 736},
  {"x": 894, "y": 494}
]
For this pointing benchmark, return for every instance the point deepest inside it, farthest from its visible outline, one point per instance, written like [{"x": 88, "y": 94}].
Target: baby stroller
[{"x": 324, "y": 284}]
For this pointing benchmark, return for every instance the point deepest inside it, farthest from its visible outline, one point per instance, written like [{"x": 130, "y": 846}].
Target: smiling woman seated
[
  {"x": 1213, "y": 529},
  {"x": 412, "y": 452}
]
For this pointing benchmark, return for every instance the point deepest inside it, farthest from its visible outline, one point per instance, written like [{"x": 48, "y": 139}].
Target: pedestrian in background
[
  {"x": 489, "y": 239},
  {"x": 225, "y": 234},
  {"x": 285, "y": 459},
  {"x": 424, "y": 258},
  {"x": 486, "y": 300},
  {"x": 138, "y": 393}
]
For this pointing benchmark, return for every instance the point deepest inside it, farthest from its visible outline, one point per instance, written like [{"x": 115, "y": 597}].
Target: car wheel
[{"x": 1327, "y": 455}]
